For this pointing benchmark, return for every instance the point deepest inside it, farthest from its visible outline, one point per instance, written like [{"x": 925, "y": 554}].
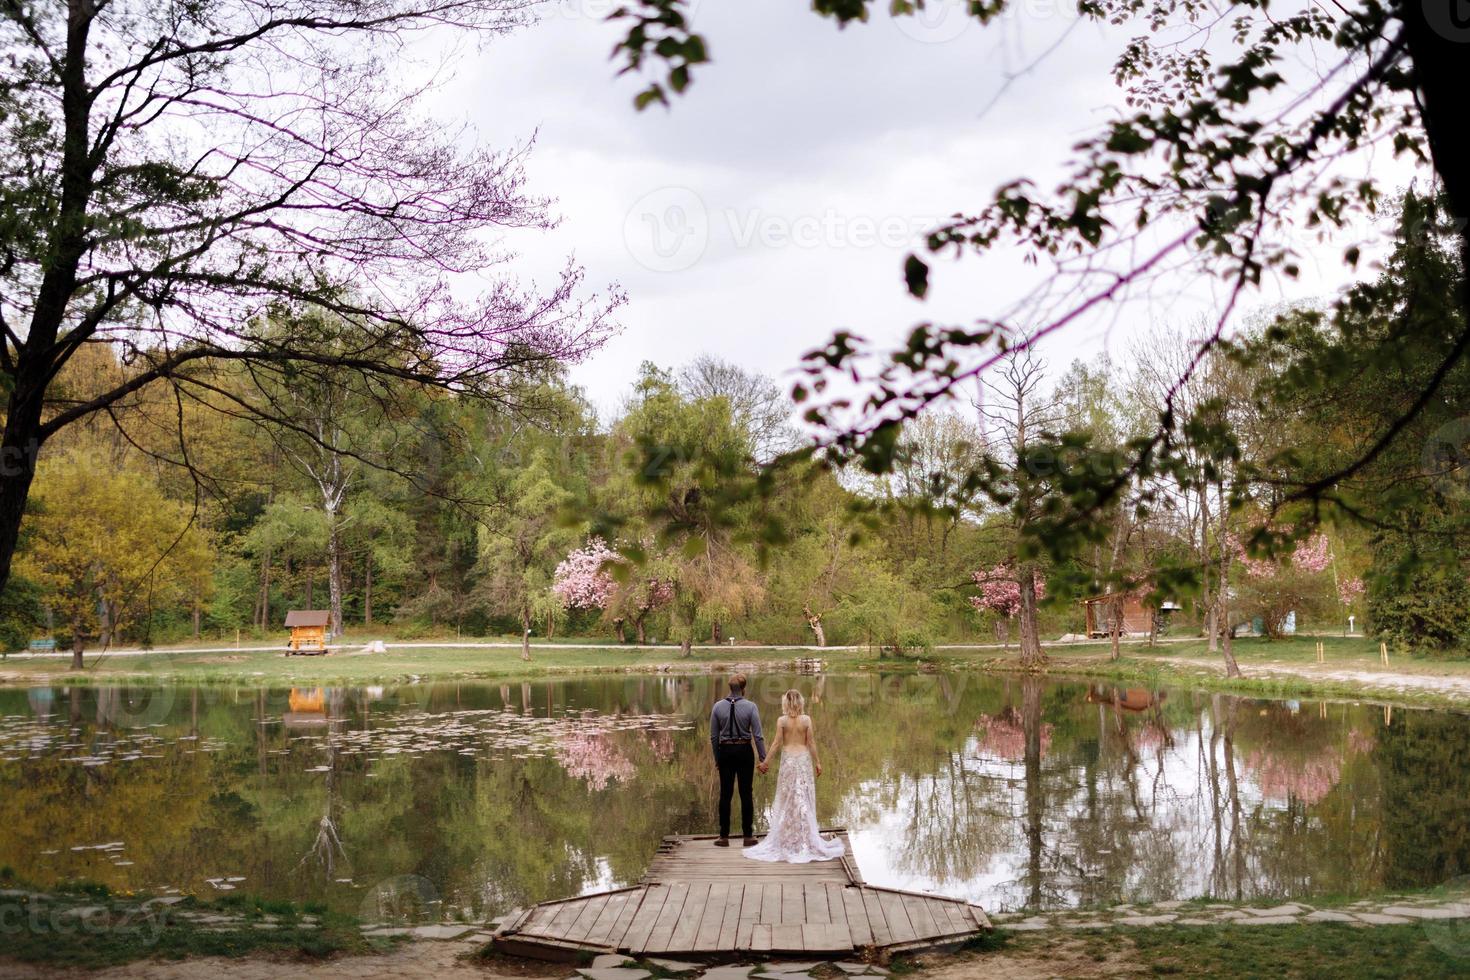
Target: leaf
[{"x": 916, "y": 276}]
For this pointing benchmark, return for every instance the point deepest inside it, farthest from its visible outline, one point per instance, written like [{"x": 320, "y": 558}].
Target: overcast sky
[{"x": 773, "y": 204}]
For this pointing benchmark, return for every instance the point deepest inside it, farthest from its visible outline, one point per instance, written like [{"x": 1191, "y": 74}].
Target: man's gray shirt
[{"x": 736, "y": 719}]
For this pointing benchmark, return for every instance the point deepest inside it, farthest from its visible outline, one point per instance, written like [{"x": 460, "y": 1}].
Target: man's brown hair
[{"x": 737, "y": 683}]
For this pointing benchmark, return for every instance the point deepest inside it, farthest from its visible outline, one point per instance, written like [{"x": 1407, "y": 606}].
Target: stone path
[
  {"x": 1391, "y": 910},
  {"x": 616, "y": 967}
]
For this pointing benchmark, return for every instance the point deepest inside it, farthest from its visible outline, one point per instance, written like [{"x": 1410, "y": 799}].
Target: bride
[{"x": 793, "y": 836}]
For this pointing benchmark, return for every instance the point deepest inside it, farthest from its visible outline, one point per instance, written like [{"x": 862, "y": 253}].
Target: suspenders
[{"x": 729, "y": 729}]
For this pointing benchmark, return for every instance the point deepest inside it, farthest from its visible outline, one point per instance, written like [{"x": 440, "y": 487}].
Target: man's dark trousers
[{"x": 736, "y": 764}]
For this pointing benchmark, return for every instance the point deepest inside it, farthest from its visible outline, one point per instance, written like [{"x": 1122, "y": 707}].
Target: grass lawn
[
  {"x": 85, "y": 925},
  {"x": 1273, "y": 668}
]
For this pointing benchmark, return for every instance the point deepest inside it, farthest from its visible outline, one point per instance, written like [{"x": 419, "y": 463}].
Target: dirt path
[{"x": 1455, "y": 687}]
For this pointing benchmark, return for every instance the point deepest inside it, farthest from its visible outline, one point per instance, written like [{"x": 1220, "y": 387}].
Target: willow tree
[{"x": 175, "y": 170}]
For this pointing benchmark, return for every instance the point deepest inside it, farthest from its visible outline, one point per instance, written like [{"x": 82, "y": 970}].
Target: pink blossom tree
[
  {"x": 585, "y": 580},
  {"x": 1275, "y": 588},
  {"x": 1000, "y": 594}
]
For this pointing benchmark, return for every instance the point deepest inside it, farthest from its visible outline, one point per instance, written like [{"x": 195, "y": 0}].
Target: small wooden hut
[
  {"x": 1135, "y": 616},
  {"x": 308, "y": 631}
]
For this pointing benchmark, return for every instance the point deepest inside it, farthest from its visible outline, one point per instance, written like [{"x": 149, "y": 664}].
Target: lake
[{"x": 473, "y": 798}]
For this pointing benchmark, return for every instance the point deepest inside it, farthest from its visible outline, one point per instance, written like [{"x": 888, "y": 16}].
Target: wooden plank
[
  {"x": 636, "y": 935},
  {"x": 793, "y": 904},
  {"x": 539, "y": 914},
  {"x": 825, "y": 937},
  {"x": 770, "y": 905},
  {"x": 565, "y": 918},
  {"x": 836, "y": 911},
  {"x": 596, "y": 933},
  {"x": 625, "y": 918},
  {"x": 857, "y": 917},
  {"x": 731, "y": 926},
  {"x": 760, "y": 938},
  {"x": 707, "y": 937},
  {"x": 954, "y": 914},
  {"x": 917, "y": 906},
  {"x": 587, "y": 919},
  {"x": 877, "y": 920},
  {"x": 898, "y": 918},
  {"x": 751, "y": 897},
  {"x": 602, "y": 930},
  {"x": 668, "y": 919},
  {"x": 816, "y": 904},
  {"x": 787, "y": 938},
  {"x": 682, "y": 940}
]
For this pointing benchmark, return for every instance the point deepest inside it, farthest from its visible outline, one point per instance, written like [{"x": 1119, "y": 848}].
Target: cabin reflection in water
[
  {"x": 313, "y": 707},
  {"x": 1126, "y": 699}
]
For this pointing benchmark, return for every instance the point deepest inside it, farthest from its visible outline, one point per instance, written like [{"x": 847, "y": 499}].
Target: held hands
[{"x": 763, "y": 768}]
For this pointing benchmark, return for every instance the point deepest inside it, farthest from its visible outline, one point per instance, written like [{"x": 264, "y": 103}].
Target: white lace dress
[{"x": 793, "y": 835}]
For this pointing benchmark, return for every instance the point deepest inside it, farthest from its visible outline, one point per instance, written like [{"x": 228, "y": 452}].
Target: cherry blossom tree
[
  {"x": 1000, "y": 594},
  {"x": 1275, "y": 588},
  {"x": 585, "y": 580}
]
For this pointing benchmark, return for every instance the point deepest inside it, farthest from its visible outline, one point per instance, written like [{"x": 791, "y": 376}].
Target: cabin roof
[{"x": 307, "y": 617}]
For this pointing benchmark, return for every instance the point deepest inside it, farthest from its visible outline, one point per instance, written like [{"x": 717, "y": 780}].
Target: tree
[
  {"x": 1000, "y": 595},
  {"x": 679, "y": 461},
  {"x": 106, "y": 545},
  {"x": 175, "y": 174},
  {"x": 519, "y": 545},
  {"x": 1275, "y": 589},
  {"x": 1225, "y": 160},
  {"x": 597, "y": 577},
  {"x": 1024, "y": 419},
  {"x": 758, "y": 406}
]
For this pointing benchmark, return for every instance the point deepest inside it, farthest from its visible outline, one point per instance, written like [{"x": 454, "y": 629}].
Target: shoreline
[{"x": 1273, "y": 669}]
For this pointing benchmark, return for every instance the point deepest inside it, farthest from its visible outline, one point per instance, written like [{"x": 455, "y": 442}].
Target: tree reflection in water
[{"x": 1007, "y": 791}]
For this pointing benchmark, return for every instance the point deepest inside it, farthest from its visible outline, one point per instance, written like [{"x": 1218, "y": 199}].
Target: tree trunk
[
  {"x": 78, "y": 641},
  {"x": 525, "y": 633},
  {"x": 264, "y": 620},
  {"x": 104, "y": 617},
  {"x": 686, "y": 646},
  {"x": 196, "y": 620},
  {"x": 1032, "y": 657},
  {"x": 815, "y": 622},
  {"x": 1116, "y": 628},
  {"x": 639, "y": 623},
  {"x": 334, "y": 572},
  {"x": 66, "y": 242},
  {"x": 367, "y": 591},
  {"x": 620, "y": 627},
  {"x": 1222, "y": 592}
]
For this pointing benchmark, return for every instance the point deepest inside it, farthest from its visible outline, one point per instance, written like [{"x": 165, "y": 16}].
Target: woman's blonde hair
[{"x": 792, "y": 703}]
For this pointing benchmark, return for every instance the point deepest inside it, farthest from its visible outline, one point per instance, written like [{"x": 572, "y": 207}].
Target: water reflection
[{"x": 1006, "y": 791}]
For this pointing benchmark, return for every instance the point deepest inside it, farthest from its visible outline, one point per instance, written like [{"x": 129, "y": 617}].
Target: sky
[{"x": 774, "y": 203}]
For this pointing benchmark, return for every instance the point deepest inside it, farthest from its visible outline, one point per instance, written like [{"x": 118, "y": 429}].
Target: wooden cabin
[
  {"x": 1138, "y": 617},
  {"x": 309, "y": 633}
]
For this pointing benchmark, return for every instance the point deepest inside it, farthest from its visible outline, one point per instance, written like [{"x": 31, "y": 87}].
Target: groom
[{"x": 733, "y": 723}]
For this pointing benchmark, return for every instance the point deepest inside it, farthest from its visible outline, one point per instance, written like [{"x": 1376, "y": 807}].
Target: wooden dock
[{"x": 712, "y": 903}]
